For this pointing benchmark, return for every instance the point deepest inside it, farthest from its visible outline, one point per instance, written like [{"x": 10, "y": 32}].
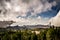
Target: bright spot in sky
[{"x": 17, "y": 8}]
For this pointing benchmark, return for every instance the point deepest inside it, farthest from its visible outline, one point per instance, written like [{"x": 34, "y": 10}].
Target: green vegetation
[{"x": 45, "y": 34}]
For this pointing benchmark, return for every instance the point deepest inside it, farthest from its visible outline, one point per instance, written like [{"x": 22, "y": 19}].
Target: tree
[
  {"x": 50, "y": 35},
  {"x": 43, "y": 34},
  {"x": 34, "y": 36}
]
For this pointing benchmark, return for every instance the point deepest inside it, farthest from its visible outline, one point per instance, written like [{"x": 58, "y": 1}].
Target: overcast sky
[{"x": 30, "y": 12}]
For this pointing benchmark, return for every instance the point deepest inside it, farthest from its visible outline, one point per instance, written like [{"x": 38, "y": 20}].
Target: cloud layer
[{"x": 11, "y": 9}]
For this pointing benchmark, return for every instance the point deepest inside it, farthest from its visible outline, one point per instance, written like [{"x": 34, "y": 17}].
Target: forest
[{"x": 44, "y": 34}]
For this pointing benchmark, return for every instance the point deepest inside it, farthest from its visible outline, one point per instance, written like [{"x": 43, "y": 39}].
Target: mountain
[{"x": 17, "y": 27}]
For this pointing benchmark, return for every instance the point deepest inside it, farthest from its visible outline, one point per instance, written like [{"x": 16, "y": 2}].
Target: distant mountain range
[
  {"x": 15, "y": 28},
  {"x": 6, "y": 24},
  {"x": 27, "y": 27}
]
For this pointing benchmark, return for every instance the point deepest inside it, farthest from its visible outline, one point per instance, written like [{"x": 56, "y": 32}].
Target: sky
[{"x": 30, "y": 12}]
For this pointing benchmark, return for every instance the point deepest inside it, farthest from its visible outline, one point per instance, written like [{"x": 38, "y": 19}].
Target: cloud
[
  {"x": 11, "y": 9},
  {"x": 21, "y": 7},
  {"x": 30, "y": 21},
  {"x": 57, "y": 0},
  {"x": 55, "y": 20}
]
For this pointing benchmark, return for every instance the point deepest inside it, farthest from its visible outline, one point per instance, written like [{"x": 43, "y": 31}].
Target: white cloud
[
  {"x": 31, "y": 21},
  {"x": 55, "y": 20},
  {"x": 28, "y": 21}
]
